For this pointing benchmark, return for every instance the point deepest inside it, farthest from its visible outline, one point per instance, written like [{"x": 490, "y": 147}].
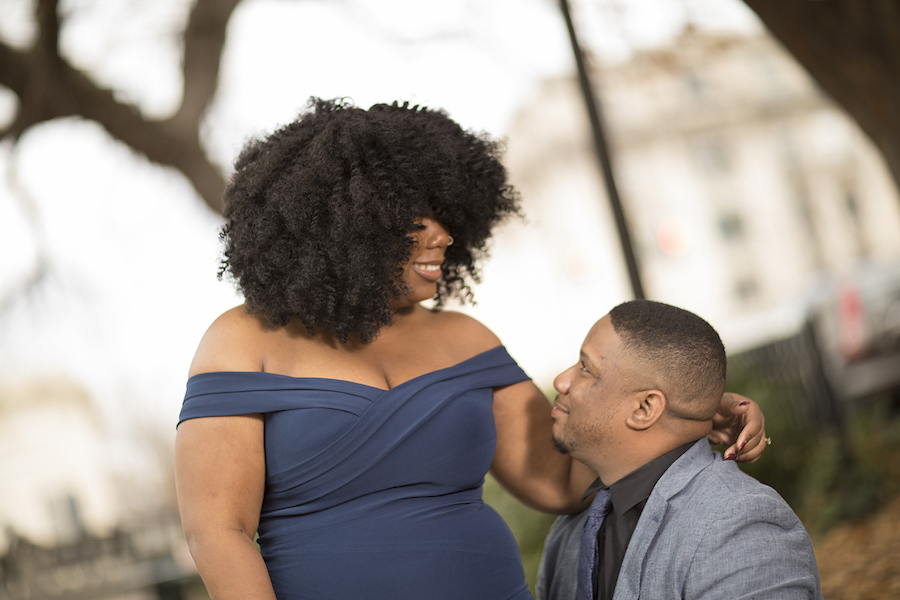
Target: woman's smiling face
[{"x": 423, "y": 269}]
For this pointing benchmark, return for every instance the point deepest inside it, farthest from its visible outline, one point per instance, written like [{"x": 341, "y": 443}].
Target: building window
[
  {"x": 731, "y": 226},
  {"x": 746, "y": 288},
  {"x": 694, "y": 84},
  {"x": 712, "y": 157},
  {"x": 851, "y": 204}
]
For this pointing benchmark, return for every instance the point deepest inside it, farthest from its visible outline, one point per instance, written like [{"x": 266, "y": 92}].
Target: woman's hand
[{"x": 741, "y": 423}]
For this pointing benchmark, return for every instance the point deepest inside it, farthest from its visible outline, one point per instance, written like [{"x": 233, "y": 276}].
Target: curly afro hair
[{"x": 318, "y": 214}]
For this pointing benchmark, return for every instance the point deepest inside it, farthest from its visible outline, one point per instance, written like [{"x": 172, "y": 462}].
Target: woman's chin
[{"x": 415, "y": 297}]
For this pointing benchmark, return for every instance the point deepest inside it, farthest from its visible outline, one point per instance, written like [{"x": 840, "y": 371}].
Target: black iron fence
[
  {"x": 792, "y": 373},
  {"x": 149, "y": 556}
]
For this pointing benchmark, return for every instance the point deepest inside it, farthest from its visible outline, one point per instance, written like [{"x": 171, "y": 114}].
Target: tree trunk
[{"x": 852, "y": 49}]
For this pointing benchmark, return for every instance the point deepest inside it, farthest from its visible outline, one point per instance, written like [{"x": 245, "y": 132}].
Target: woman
[{"x": 333, "y": 413}]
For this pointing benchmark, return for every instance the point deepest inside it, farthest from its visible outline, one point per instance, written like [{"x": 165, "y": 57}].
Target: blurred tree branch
[
  {"x": 28, "y": 284},
  {"x": 852, "y": 49},
  {"x": 48, "y": 87}
]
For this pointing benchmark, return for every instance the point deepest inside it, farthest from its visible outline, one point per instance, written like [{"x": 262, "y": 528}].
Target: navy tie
[{"x": 588, "y": 556}]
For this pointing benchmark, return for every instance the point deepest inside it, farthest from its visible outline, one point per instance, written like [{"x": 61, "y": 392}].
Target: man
[{"x": 679, "y": 521}]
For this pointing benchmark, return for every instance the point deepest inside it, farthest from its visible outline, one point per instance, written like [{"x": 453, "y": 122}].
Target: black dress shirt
[{"x": 629, "y": 495}]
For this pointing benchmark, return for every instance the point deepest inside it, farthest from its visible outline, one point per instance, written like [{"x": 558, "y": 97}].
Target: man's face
[{"x": 590, "y": 405}]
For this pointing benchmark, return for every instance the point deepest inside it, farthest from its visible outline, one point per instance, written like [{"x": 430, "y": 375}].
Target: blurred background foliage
[{"x": 827, "y": 476}]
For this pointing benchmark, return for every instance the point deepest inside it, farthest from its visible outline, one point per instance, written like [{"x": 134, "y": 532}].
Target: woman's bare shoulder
[
  {"x": 467, "y": 330},
  {"x": 232, "y": 343}
]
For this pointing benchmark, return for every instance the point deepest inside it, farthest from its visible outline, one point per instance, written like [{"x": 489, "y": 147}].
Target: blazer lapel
[{"x": 697, "y": 458}]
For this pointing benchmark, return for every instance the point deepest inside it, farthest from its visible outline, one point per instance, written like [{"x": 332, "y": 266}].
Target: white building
[
  {"x": 64, "y": 472},
  {"x": 741, "y": 181},
  {"x": 54, "y": 471}
]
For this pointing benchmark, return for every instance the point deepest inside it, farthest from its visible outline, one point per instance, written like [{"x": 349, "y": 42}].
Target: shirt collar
[{"x": 637, "y": 485}]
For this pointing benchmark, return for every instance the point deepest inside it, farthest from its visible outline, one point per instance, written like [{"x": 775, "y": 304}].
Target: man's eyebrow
[{"x": 586, "y": 359}]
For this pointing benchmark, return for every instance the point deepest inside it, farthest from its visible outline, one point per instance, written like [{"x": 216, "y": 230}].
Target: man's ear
[{"x": 648, "y": 408}]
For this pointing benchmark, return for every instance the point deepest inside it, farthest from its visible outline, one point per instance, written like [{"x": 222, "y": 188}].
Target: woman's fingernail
[
  {"x": 742, "y": 446},
  {"x": 744, "y": 403},
  {"x": 729, "y": 456}
]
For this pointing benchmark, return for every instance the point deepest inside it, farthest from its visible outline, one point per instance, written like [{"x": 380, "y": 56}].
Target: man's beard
[{"x": 561, "y": 446}]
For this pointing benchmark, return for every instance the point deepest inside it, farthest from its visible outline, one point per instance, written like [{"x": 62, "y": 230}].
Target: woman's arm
[
  {"x": 220, "y": 477},
  {"x": 526, "y": 463},
  {"x": 740, "y": 425},
  {"x": 220, "y": 472},
  {"x": 528, "y": 466}
]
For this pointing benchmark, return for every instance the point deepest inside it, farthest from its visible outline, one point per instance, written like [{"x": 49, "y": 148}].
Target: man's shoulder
[
  {"x": 728, "y": 477},
  {"x": 711, "y": 523},
  {"x": 710, "y": 530},
  {"x": 707, "y": 487}
]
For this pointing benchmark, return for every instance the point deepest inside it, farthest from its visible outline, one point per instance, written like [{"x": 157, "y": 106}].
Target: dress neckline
[{"x": 200, "y": 376}]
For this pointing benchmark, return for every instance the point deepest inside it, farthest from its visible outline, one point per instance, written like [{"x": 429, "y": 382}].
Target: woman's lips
[{"x": 429, "y": 271}]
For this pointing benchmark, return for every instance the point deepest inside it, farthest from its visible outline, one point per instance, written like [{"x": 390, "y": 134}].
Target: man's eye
[{"x": 584, "y": 368}]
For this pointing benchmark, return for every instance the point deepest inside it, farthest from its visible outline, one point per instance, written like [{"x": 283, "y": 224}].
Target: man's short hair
[{"x": 676, "y": 352}]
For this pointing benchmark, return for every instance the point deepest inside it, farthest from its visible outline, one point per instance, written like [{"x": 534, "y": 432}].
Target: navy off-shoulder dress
[{"x": 374, "y": 493}]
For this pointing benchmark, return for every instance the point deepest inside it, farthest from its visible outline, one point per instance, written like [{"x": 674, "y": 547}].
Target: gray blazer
[{"x": 707, "y": 531}]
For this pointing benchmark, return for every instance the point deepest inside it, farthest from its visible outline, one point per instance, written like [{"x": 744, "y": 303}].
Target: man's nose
[{"x": 561, "y": 383}]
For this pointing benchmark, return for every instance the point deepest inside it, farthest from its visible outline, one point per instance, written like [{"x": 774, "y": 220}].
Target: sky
[{"x": 131, "y": 253}]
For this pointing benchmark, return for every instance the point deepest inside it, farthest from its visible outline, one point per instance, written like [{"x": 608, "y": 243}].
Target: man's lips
[{"x": 558, "y": 410}]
